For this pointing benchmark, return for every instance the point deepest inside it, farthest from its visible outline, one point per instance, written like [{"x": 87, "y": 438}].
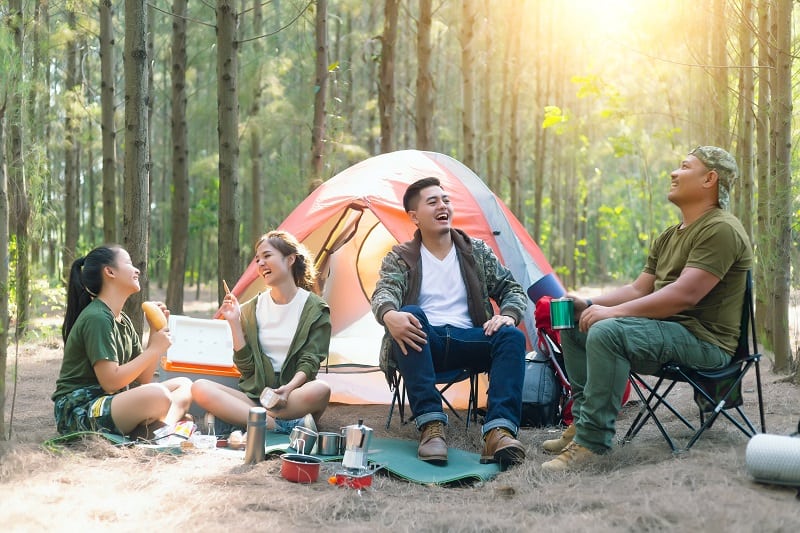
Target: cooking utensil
[
  {"x": 299, "y": 468},
  {"x": 302, "y": 439},
  {"x": 356, "y": 444},
  {"x": 329, "y": 443}
]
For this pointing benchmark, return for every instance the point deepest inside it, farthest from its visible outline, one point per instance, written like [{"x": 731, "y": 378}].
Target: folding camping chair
[
  {"x": 447, "y": 379},
  {"x": 715, "y": 391}
]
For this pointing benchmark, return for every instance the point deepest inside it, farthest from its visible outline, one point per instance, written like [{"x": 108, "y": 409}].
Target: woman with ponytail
[
  {"x": 280, "y": 338},
  {"x": 106, "y": 379}
]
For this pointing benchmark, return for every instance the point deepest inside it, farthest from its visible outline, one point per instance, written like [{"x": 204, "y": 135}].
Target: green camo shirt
[{"x": 486, "y": 279}]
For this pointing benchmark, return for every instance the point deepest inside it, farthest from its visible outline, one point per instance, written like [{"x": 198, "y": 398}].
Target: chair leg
[
  {"x": 396, "y": 400},
  {"x": 719, "y": 409},
  {"x": 647, "y": 411},
  {"x": 472, "y": 407},
  {"x": 448, "y": 404},
  {"x": 760, "y": 397}
]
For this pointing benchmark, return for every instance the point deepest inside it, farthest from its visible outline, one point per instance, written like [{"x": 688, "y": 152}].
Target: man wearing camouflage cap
[{"x": 684, "y": 307}]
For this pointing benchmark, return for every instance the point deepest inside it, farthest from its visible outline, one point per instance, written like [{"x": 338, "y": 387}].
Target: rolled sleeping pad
[
  {"x": 774, "y": 459},
  {"x": 547, "y": 285}
]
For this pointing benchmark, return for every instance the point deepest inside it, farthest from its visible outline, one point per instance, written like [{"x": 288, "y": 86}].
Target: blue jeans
[
  {"x": 451, "y": 348},
  {"x": 598, "y": 363}
]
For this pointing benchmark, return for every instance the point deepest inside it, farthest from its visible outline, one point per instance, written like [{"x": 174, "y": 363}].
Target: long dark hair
[
  {"x": 85, "y": 282},
  {"x": 303, "y": 270}
]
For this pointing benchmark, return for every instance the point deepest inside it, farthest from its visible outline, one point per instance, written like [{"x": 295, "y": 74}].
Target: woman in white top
[{"x": 280, "y": 338}]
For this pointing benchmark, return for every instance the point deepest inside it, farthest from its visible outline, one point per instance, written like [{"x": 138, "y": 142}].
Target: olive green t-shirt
[
  {"x": 94, "y": 337},
  {"x": 718, "y": 244}
]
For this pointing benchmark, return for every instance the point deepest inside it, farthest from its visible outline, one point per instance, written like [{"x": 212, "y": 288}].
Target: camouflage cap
[{"x": 715, "y": 158}]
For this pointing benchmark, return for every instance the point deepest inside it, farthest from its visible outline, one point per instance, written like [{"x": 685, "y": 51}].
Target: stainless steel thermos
[{"x": 256, "y": 435}]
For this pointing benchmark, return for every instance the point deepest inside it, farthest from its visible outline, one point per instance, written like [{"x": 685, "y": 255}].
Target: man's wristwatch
[{"x": 589, "y": 302}]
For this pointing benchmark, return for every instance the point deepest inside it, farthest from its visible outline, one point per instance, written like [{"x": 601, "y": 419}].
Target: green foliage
[
  {"x": 615, "y": 122},
  {"x": 553, "y": 116}
]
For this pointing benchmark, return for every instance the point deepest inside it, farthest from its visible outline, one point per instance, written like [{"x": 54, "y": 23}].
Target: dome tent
[{"x": 353, "y": 219}]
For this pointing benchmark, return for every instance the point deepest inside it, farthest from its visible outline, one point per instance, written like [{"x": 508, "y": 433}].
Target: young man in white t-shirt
[{"x": 434, "y": 297}]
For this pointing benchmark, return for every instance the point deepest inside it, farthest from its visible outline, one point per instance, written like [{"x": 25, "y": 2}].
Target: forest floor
[{"x": 93, "y": 486}]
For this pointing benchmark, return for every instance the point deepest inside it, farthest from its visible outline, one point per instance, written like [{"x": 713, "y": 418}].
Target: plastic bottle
[{"x": 256, "y": 434}]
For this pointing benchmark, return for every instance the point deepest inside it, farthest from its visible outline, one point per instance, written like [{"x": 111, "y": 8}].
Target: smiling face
[
  {"x": 433, "y": 214},
  {"x": 273, "y": 266},
  {"x": 125, "y": 274},
  {"x": 691, "y": 183}
]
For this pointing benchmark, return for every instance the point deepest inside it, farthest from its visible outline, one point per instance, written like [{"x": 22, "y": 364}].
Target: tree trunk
[
  {"x": 745, "y": 147},
  {"x": 467, "y": 81},
  {"x": 386, "y": 76},
  {"x": 719, "y": 59},
  {"x": 320, "y": 89},
  {"x": 35, "y": 97},
  {"x": 107, "y": 127},
  {"x": 228, "y": 116},
  {"x": 764, "y": 243},
  {"x": 180, "y": 163},
  {"x": 4, "y": 274},
  {"x": 488, "y": 127},
  {"x": 542, "y": 92},
  {"x": 496, "y": 177},
  {"x": 256, "y": 131},
  {"x": 782, "y": 199},
  {"x": 17, "y": 181},
  {"x": 514, "y": 179},
  {"x": 157, "y": 220},
  {"x": 135, "y": 223},
  {"x": 424, "y": 99},
  {"x": 71, "y": 188}
]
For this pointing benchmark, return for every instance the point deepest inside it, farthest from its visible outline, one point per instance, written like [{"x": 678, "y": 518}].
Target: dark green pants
[{"x": 598, "y": 363}]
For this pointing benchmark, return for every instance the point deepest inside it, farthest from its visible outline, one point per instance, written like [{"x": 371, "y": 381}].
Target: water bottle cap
[{"x": 257, "y": 414}]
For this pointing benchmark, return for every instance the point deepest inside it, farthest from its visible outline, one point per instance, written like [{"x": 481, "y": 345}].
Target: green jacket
[
  {"x": 308, "y": 349},
  {"x": 485, "y": 278}
]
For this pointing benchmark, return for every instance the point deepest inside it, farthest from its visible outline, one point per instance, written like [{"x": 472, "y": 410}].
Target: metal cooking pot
[
  {"x": 329, "y": 443},
  {"x": 302, "y": 439}
]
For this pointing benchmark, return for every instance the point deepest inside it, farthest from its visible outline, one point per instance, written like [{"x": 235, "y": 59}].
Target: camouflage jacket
[{"x": 485, "y": 278}]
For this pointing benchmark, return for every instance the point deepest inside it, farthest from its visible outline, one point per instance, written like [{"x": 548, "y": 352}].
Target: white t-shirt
[
  {"x": 443, "y": 295},
  {"x": 277, "y": 325}
]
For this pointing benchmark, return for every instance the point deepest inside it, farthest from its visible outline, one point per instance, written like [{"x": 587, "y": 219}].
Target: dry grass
[{"x": 93, "y": 486}]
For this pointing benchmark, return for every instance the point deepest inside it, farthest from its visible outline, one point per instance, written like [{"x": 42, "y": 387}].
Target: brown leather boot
[
  {"x": 432, "y": 446},
  {"x": 500, "y": 446}
]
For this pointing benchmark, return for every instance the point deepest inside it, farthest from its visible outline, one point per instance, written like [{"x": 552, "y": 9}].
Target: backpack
[{"x": 541, "y": 392}]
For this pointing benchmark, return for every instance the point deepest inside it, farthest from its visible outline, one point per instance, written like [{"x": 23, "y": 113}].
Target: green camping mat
[
  {"x": 400, "y": 458},
  {"x": 115, "y": 439}
]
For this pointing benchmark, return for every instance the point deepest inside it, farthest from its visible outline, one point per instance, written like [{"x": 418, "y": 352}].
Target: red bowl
[{"x": 300, "y": 468}]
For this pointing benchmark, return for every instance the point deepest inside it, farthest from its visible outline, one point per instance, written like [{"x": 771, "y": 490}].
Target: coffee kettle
[{"x": 356, "y": 444}]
